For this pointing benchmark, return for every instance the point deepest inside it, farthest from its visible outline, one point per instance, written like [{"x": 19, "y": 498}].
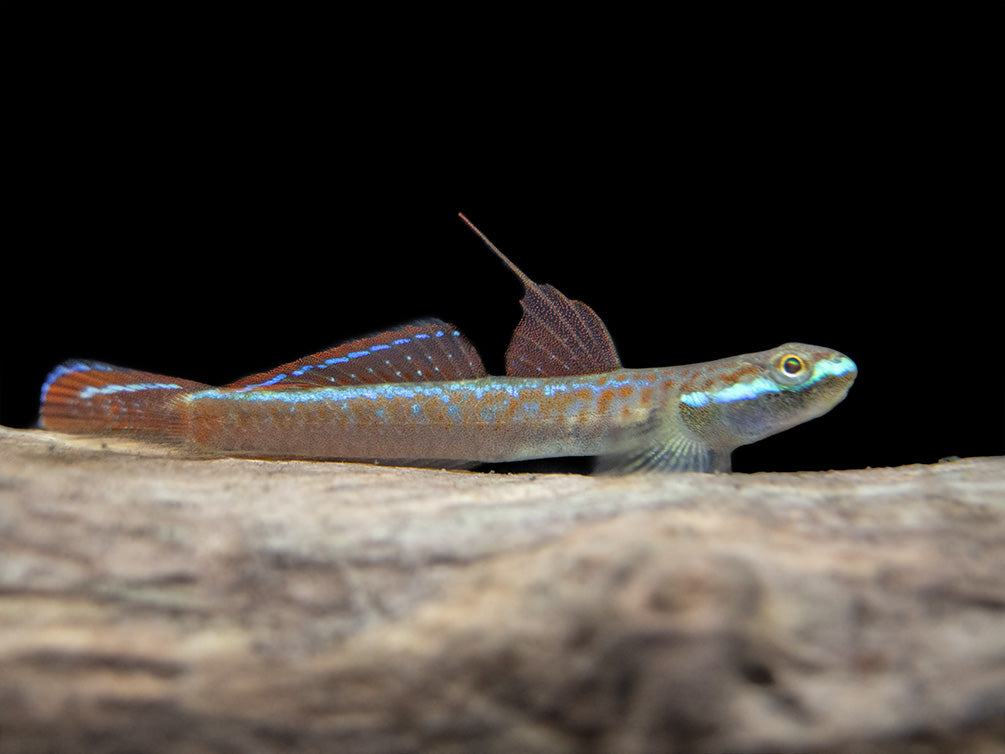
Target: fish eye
[{"x": 791, "y": 365}]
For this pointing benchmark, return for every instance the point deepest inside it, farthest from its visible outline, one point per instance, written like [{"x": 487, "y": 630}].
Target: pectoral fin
[{"x": 677, "y": 455}]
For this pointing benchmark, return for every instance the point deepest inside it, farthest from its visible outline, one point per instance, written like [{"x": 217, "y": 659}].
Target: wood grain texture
[{"x": 153, "y": 602}]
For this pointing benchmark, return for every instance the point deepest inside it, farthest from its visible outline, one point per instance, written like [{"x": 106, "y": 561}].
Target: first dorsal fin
[
  {"x": 556, "y": 336},
  {"x": 427, "y": 350}
]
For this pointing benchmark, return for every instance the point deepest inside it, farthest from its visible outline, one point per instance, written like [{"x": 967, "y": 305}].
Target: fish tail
[{"x": 91, "y": 397}]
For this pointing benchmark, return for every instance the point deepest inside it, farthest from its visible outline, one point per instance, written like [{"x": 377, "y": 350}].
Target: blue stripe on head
[
  {"x": 745, "y": 391},
  {"x": 697, "y": 399},
  {"x": 741, "y": 391},
  {"x": 833, "y": 368}
]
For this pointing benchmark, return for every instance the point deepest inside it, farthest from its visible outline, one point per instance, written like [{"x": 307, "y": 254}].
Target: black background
[{"x": 208, "y": 207}]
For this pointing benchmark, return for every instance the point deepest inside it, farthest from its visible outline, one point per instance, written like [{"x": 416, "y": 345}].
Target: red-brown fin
[
  {"x": 92, "y": 397},
  {"x": 422, "y": 351},
  {"x": 556, "y": 336}
]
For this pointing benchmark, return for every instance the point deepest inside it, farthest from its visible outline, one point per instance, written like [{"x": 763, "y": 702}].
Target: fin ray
[
  {"x": 94, "y": 397},
  {"x": 679, "y": 454},
  {"x": 428, "y": 350},
  {"x": 556, "y": 336}
]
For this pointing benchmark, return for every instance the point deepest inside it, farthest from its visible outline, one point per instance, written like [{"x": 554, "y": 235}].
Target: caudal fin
[{"x": 91, "y": 397}]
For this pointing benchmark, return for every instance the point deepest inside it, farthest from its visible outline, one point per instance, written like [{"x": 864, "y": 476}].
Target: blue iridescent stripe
[
  {"x": 345, "y": 359},
  {"x": 745, "y": 391}
]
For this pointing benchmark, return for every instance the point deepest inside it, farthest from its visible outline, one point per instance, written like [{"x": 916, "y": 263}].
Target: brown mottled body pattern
[
  {"x": 488, "y": 419},
  {"x": 483, "y": 420}
]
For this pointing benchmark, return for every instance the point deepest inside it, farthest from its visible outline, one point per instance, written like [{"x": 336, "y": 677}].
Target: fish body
[{"x": 419, "y": 395}]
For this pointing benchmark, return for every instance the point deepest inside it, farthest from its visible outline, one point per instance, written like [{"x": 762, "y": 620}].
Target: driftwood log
[{"x": 151, "y": 602}]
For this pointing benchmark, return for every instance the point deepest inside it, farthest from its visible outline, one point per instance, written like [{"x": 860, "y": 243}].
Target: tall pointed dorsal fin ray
[
  {"x": 556, "y": 336},
  {"x": 428, "y": 350}
]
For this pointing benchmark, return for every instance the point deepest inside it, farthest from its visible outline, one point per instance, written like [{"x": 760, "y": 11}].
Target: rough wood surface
[{"x": 151, "y": 602}]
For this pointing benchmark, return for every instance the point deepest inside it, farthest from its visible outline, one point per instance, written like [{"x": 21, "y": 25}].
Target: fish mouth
[
  {"x": 835, "y": 381},
  {"x": 837, "y": 365}
]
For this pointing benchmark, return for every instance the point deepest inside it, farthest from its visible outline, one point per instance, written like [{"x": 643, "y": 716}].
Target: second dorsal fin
[
  {"x": 556, "y": 336},
  {"x": 427, "y": 350}
]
